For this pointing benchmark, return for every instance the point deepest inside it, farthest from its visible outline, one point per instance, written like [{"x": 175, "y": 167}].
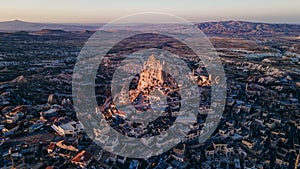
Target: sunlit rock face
[
  {"x": 151, "y": 80},
  {"x": 151, "y": 74}
]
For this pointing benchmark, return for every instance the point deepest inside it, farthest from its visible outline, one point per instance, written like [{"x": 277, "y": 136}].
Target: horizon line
[{"x": 194, "y": 22}]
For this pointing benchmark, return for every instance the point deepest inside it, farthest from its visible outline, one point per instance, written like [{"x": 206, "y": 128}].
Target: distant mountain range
[
  {"x": 242, "y": 28},
  {"x": 222, "y": 28}
]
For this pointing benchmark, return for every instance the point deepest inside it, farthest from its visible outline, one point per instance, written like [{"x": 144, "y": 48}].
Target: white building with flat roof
[{"x": 71, "y": 128}]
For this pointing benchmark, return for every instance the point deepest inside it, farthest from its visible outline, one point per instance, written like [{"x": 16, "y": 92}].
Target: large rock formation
[
  {"x": 151, "y": 74},
  {"x": 150, "y": 79}
]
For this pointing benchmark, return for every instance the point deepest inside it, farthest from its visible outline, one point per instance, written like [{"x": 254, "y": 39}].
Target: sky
[{"x": 100, "y": 11}]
